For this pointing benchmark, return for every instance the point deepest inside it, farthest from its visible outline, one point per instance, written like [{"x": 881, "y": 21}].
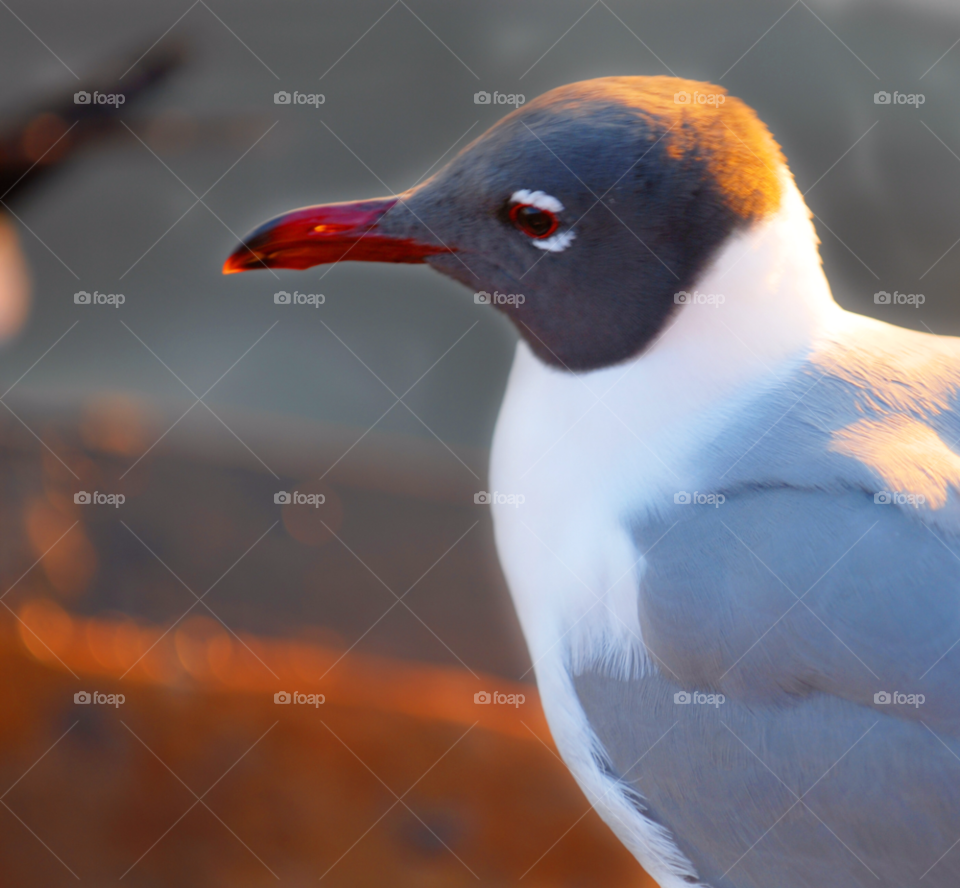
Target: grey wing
[
  {"x": 798, "y": 606},
  {"x": 808, "y": 601}
]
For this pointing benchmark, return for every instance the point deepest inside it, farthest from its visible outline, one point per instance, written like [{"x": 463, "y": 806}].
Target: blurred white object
[{"x": 14, "y": 282}]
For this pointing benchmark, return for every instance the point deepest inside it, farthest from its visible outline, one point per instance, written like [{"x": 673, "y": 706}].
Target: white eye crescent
[
  {"x": 539, "y": 199},
  {"x": 556, "y": 244}
]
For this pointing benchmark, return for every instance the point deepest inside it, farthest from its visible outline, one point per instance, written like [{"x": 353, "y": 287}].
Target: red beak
[{"x": 327, "y": 233}]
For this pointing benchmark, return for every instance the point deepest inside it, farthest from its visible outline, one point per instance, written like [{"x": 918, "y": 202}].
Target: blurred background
[{"x": 198, "y": 398}]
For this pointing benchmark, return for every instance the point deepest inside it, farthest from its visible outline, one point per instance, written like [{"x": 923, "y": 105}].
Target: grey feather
[{"x": 799, "y": 599}]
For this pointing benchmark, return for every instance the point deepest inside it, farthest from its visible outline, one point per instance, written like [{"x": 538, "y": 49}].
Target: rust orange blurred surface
[{"x": 200, "y": 778}]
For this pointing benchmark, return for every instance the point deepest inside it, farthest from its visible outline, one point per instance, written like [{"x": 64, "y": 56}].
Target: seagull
[{"x": 728, "y": 511}]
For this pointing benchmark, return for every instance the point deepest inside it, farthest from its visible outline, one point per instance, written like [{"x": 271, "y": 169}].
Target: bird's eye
[{"x": 533, "y": 221}]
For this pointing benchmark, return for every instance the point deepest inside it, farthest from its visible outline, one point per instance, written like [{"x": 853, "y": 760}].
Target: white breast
[{"x": 586, "y": 450}]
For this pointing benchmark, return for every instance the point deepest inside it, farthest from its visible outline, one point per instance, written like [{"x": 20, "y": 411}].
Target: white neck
[
  {"x": 584, "y": 448},
  {"x": 776, "y": 301}
]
